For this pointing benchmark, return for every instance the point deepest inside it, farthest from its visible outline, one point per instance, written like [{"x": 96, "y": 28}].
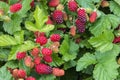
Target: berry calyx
[
  {"x": 55, "y": 37},
  {"x": 15, "y": 7},
  {"x": 20, "y": 55},
  {"x": 43, "y": 69},
  {"x": 58, "y": 16},
  {"x": 72, "y": 5}
]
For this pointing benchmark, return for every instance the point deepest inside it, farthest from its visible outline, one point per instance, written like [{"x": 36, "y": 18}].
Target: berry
[
  {"x": 49, "y": 21},
  {"x": 30, "y": 78},
  {"x": 65, "y": 16},
  {"x": 35, "y": 51},
  {"x": 55, "y": 46},
  {"x": 73, "y": 30},
  {"x": 32, "y": 4},
  {"x": 60, "y": 7},
  {"x": 93, "y": 17},
  {"x": 53, "y": 3},
  {"x": 72, "y": 5},
  {"x": 46, "y": 51},
  {"x": 58, "y": 72},
  {"x": 21, "y": 73},
  {"x": 42, "y": 40},
  {"x": 37, "y": 60},
  {"x": 20, "y": 55},
  {"x": 80, "y": 26},
  {"x": 28, "y": 61},
  {"x": 55, "y": 37},
  {"x": 82, "y": 15},
  {"x": 43, "y": 69},
  {"x": 116, "y": 40},
  {"x": 47, "y": 59},
  {"x": 1, "y": 12},
  {"x": 105, "y": 3},
  {"x": 38, "y": 34},
  {"x": 15, "y": 7},
  {"x": 58, "y": 16},
  {"x": 14, "y": 73}
]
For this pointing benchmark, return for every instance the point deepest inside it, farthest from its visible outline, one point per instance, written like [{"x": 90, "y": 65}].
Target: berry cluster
[{"x": 39, "y": 57}]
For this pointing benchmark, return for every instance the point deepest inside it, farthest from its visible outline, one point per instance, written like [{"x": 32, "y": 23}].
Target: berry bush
[{"x": 59, "y": 39}]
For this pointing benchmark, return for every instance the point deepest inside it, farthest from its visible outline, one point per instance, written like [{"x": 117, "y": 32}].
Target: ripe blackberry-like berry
[
  {"x": 20, "y": 55},
  {"x": 82, "y": 15},
  {"x": 46, "y": 51},
  {"x": 42, "y": 40},
  {"x": 47, "y": 59},
  {"x": 72, "y": 5},
  {"x": 43, "y": 69},
  {"x": 55, "y": 37},
  {"x": 15, "y": 7},
  {"x": 80, "y": 26},
  {"x": 58, "y": 16},
  {"x": 53, "y": 3}
]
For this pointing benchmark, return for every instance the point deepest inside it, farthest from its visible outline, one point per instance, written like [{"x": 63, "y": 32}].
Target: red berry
[
  {"x": 73, "y": 30},
  {"x": 42, "y": 40},
  {"x": 35, "y": 51},
  {"x": 14, "y": 73},
  {"x": 15, "y": 7},
  {"x": 116, "y": 40},
  {"x": 72, "y": 5},
  {"x": 105, "y": 3},
  {"x": 46, "y": 51},
  {"x": 53, "y": 3},
  {"x": 21, "y": 73},
  {"x": 37, "y": 60},
  {"x": 58, "y": 16},
  {"x": 28, "y": 61},
  {"x": 58, "y": 72},
  {"x": 49, "y": 21},
  {"x": 93, "y": 17},
  {"x": 20, "y": 55},
  {"x": 32, "y": 4},
  {"x": 43, "y": 69},
  {"x": 47, "y": 59},
  {"x": 55, "y": 37},
  {"x": 82, "y": 15},
  {"x": 30, "y": 78},
  {"x": 80, "y": 26}
]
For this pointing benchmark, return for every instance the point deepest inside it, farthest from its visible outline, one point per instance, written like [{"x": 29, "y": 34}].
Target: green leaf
[
  {"x": 104, "y": 23},
  {"x": 102, "y": 42},
  {"x": 115, "y": 8},
  {"x": 4, "y": 54},
  {"x": 28, "y": 45},
  {"x": 12, "y": 64},
  {"x": 4, "y": 6},
  {"x": 6, "y": 40},
  {"x": 47, "y": 28},
  {"x": 57, "y": 61},
  {"x": 25, "y": 7},
  {"x": 47, "y": 77},
  {"x": 85, "y": 61},
  {"x": 13, "y": 25},
  {"x": 86, "y": 3},
  {"x": 106, "y": 69},
  {"x": 5, "y": 74},
  {"x": 117, "y": 1},
  {"x": 19, "y": 36},
  {"x": 68, "y": 49},
  {"x": 40, "y": 17},
  {"x": 69, "y": 64}
]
